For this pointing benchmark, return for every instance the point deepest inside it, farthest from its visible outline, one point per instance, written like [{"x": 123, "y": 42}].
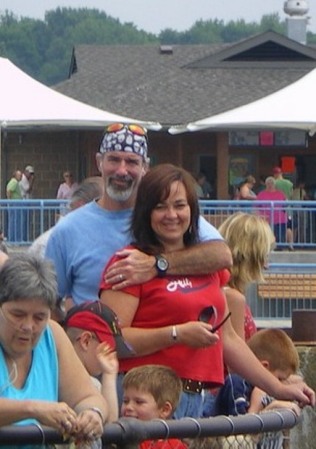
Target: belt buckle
[{"x": 192, "y": 386}]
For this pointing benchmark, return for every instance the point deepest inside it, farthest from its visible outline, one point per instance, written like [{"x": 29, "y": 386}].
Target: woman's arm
[
  {"x": 236, "y": 302},
  {"x": 147, "y": 341},
  {"x": 245, "y": 193},
  {"x": 77, "y": 390},
  {"x": 137, "y": 267},
  {"x": 77, "y": 396},
  {"x": 240, "y": 359}
]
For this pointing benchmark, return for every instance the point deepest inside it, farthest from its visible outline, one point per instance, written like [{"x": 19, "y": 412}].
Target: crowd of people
[
  {"x": 20, "y": 187},
  {"x": 152, "y": 306},
  {"x": 290, "y": 225}
]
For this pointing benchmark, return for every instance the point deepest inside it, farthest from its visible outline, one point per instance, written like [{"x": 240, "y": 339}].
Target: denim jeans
[
  {"x": 190, "y": 405},
  {"x": 208, "y": 404}
]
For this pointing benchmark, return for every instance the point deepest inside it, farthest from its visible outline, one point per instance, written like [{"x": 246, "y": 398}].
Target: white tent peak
[
  {"x": 27, "y": 103},
  {"x": 292, "y": 107}
]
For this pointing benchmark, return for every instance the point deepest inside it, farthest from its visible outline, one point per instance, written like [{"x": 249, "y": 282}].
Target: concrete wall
[{"x": 303, "y": 436}]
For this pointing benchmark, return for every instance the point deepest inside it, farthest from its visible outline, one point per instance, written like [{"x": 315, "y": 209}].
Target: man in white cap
[
  {"x": 26, "y": 188},
  {"x": 83, "y": 242},
  {"x": 26, "y": 183}
]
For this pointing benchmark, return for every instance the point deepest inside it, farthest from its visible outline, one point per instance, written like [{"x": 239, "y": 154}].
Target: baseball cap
[
  {"x": 124, "y": 137},
  {"x": 98, "y": 318},
  {"x": 29, "y": 168},
  {"x": 277, "y": 170}
]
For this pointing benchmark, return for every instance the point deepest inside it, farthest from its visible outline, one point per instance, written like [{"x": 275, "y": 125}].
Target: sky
[{"x": 156, "y": 15}]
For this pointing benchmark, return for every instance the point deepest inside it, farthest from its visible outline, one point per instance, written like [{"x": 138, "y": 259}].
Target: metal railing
[
  {"x": 23, "y": 221},
  {"x": 287, "y": 287},
  {"x": 129, "y": 432},
  {"x": 297, "y": 218}
]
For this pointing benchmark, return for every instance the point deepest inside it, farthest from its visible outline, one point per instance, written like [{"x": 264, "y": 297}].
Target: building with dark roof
[
  {"x": 183, "y": 83},
  {"x": 174, "y": 85}
]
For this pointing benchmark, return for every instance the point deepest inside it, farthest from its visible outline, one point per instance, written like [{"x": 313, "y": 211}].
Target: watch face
[{"x": 162, "y": 264}]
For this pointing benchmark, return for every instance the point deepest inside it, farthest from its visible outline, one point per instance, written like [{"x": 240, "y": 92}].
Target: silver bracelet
[
  {"x": 98, "y": 411},
  {"x": 174, "y": 333}
]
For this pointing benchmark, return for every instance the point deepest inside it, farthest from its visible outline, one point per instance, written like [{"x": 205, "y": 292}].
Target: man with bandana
[{"x": 83, "y": 242}]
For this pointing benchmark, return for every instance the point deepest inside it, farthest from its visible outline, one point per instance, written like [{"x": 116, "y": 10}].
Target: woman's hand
[
  {"x": 299, "y": 392},
  {"x": 196, "y": 334},
  {"x": 89, "y": 425},
  {"x": 57, "y": 415}
]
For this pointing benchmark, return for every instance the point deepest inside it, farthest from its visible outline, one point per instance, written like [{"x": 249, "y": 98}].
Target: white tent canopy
[
  {"x": 292, "y": 107},
  {"x": 26, "y": 103}
]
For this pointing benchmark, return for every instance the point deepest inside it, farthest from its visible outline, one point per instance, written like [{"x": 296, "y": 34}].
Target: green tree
[
  {"x": 272, "y": 22},
  {"x": 43, "y": 48}
]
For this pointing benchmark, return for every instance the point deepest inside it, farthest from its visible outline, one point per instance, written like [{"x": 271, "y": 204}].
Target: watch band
[{"x": 161, "y": 265}]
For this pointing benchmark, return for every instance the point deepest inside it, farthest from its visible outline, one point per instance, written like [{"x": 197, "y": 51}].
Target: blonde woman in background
[{"x": 250, "y": 240}]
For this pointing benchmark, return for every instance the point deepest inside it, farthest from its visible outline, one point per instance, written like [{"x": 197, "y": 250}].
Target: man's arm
[
  {"x": 54, "y": 252},
  {"x": 136, "y": 267},
  {"x": 203, "y": 258}
]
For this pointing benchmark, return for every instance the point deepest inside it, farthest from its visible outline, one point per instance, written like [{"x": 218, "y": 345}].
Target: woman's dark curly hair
[{"x": 154, "y": 188}]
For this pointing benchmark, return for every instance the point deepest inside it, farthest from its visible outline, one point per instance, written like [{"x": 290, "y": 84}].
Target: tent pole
[{"x": 1, "y": 174}]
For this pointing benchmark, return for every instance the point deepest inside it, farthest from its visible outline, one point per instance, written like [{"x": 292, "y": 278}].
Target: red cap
[
  {"x": 277, "y": 170},
  {"x": 96, "y": 317}
]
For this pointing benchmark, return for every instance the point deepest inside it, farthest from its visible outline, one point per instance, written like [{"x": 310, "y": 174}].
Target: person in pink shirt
[
  {"x": 65, "y": 190},
  {"x": 275, "y": 215},
  {"x": 67, "y": 187}
]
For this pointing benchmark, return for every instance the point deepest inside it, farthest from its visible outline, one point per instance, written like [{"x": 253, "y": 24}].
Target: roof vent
[{"x": 166, "y": 50}]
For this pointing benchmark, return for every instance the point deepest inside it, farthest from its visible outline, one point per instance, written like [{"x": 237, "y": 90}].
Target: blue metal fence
[
  {"x": 287, "y": 287},
  {"x": 274, "y": 301},
  {"x": 294, "y": 222},
  {"x": 23, "y": 221}
]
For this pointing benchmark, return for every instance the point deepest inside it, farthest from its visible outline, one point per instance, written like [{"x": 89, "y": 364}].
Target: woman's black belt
[{"x": 192, "y": 386}]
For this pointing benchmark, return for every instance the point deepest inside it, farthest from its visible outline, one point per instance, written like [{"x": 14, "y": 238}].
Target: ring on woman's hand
[
  {"x": 121, "y": 277},
  {"x": 92, "y": 435}
]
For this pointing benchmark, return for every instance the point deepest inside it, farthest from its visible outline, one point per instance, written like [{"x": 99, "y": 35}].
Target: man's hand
[{"x": 133, "y": 268}]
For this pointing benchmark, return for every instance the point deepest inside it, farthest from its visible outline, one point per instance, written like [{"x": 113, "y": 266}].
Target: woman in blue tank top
[{"x": 42, "y": 381}]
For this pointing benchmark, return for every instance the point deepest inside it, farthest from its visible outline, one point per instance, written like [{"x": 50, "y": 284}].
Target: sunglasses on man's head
[
  {"x": 135, "y": 129},
  {"x": 209, "y": 315}
]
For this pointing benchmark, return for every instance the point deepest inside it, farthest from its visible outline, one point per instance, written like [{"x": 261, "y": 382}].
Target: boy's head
[
  {"x": 276, "y": 351},
  {"x": 150, "y": 391},
  {"x": 89, "y": 324}
]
